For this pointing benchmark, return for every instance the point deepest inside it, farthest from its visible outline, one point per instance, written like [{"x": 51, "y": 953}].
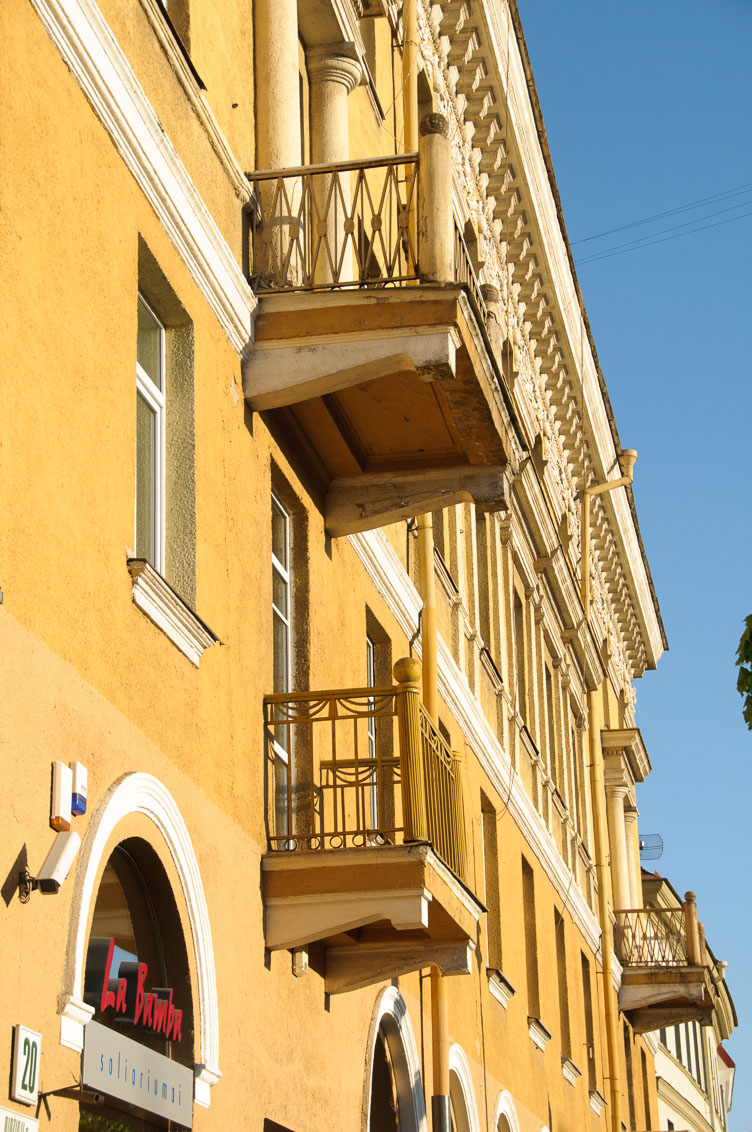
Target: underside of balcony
[
  {"x": 665, "y": 979},
  {"x": 366, "y": 833},
  {"x": 390, "y": 398},
  {"x": 372, "y": 350},
  {"x": 656, "y": 997},
  {"x": 381, "y": 911}
]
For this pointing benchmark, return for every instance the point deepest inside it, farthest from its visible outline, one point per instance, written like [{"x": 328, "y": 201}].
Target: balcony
[
  {"x": 372, "y": 355},
  {"x": 666, "y": 978},
  {"x": 366, "y": 834}
]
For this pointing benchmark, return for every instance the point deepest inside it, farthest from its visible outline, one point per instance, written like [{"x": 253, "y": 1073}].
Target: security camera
[{"x": 58, "y": 861}]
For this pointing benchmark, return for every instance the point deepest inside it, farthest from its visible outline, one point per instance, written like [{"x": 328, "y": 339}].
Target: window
[
  {"x": 549, "y": 726},
  {"x": 281, "y": 655},
  {"x": 281, "y": 595},
  {"x": 162, "y": 563},
  {"x": 587, "y": 996},
  {"x": 491, "y": 883},
  {"x": 371, "y": 683},
  {"x": 561, "y": 968},
  {"x": 630, "y": 1075},
  {"x": 531, "y": 940},
  {"x": 519, "y": 655},
  {"x": 150, "y": 437},
  {"x": 645, "y": 1092}
]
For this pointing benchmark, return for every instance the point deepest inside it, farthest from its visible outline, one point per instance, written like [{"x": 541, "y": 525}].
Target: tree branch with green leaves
[{"x": 744, "y": 663}]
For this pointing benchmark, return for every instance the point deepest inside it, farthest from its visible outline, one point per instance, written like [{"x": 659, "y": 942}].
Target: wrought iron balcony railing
[
  {"x": 651, "y": 937},
  {"x": 341, "y": 225},
  {"x": 362, "y": 767},
  {"x": 464, "y": 272},
  {"x": 660, "y": 937}
]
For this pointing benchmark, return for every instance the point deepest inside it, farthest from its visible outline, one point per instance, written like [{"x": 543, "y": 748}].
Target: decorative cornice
[
  {"x": 96, "y": 61},
  {"x": 628, "y": 743},
  {"x": 481, "y": 81}
]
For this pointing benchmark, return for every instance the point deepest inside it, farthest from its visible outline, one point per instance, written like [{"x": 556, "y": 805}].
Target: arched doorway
[
  {"x": 139, "y": 817},
  {"x": 505, "y": 1114},
  {"x": 394, "y": 1100},
  {"x": 461, "y": 1093},
  {"x": 139, "y": 1045}
]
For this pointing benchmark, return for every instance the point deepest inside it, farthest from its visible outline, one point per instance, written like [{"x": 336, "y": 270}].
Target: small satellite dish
[{"x": 651, "y": 846}]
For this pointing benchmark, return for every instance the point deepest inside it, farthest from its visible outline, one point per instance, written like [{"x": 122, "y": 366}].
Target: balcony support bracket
[
  {"x": 299, "y": 369},
  {"x": 295, "y": 921},
  {"x": 360, "y": 503},
  {"x": 350, "y": 968}
]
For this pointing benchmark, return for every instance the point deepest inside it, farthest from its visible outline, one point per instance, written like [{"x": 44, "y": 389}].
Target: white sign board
[
  {"x": 17, "y": 1122},
  {"x": 27, "y": 1053},
  {"x": 119, "y": 1067}
]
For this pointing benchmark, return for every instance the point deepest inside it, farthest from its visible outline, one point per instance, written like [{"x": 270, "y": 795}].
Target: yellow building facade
[{"x": 322, "y": 589}]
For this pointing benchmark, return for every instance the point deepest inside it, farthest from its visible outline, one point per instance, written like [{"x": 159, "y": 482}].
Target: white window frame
[
  {"x": 155, "y": 399},
  {"x": 280, "y": 570},
  {"x": 283, "y": 572},
  {"x": 371, "y": 683}
]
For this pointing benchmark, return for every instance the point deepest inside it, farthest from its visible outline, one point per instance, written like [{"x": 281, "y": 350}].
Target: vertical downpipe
[
  {"x": 440, "y": 1111},
  {"x": 598, "y": 789}
]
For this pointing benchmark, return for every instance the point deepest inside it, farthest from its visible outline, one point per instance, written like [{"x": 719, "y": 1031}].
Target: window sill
[
  {"x": 569, "y": 1070},
  {"x": 539, "y": 1035},
  {"x": 597, "y": 1102},
  {"x": 158, "y": 600},
  {"x": 499, "y": 986}
]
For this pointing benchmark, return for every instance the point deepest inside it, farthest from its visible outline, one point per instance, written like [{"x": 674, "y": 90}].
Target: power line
[
  {"x": 691, "y": 224},
  {"x": 669, "y": 212},
  {"x": 663, "y": 240}
]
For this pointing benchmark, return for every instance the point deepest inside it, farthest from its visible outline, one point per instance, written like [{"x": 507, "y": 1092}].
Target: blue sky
[{"x": 648, "y": 107}]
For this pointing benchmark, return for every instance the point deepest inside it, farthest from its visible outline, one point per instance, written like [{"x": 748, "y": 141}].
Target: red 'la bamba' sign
[{"x": 155, "y": 1013}]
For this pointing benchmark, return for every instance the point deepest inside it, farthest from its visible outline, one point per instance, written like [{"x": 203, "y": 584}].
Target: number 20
[{"x": 28, "y": 1081}]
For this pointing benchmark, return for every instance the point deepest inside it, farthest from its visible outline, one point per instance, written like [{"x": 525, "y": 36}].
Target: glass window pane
[
  {"x": 146, "y": 437},
  {"x": 279, "y": 534},
  {"x": 149, "y": 351},
  {"x": 281, "y": 783},
  {"x": 279, "y": 592},
  {"x": 281, "y": 655}
]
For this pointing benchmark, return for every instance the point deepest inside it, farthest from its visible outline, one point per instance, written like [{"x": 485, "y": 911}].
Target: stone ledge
[
  {"x": 500, "y": 987},
  {"x": 539, "y": 1035},
  {"x": 158, "y": 600}
]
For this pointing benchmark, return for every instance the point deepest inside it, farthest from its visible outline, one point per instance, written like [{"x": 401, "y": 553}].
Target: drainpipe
[
  {"x": 598, "y": 789},
  {"x": 441, "y": 1120},
  {"x": 440, "y": 1111},
  {"x": 611, "y": 1006}
]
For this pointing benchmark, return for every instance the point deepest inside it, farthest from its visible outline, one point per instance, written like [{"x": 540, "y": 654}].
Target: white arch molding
[
  {"x": 390, "y": 1013},
  {"x": 458, "y": 1064},
  {"x": 505, "y": 1107},
  {"x": 143, "y": 794}
]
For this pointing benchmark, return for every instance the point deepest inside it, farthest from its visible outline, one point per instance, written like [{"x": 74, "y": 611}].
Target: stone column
[
  {"x": 435, "y": 216},
  {"x": 334, "y": 71},
  {"x": 277, "y": 84},
  {"x": 615, "y": 798},
  {"x": 633, "y": 852},
  {"x": 278, "y": 137}
]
